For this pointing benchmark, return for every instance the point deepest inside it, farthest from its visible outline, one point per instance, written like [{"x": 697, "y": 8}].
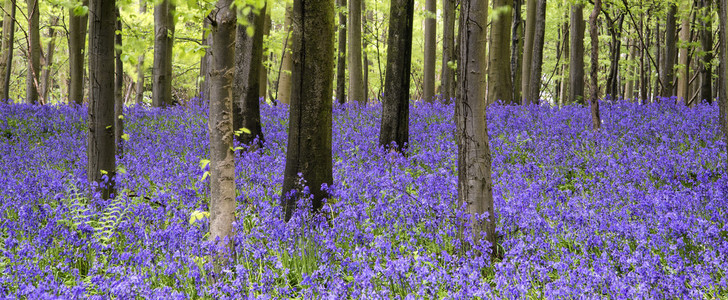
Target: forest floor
[{"x": 638, "y": 210}]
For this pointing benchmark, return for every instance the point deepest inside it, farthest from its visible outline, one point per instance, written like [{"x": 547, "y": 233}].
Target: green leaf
[
  {"x": 204, "y": 163},
  {"x": 80, "y": 10},
  {"x": 125, "y": 137}
]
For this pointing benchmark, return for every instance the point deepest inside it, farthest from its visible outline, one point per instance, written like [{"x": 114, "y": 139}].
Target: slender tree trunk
[
  {"x": 643, "y": 67},
  {"x": 670, "y": 52},
  {"x": 629, "y": 86},
  {"x": 119, "y": 89},
  {"x": 706, "y": 69},
  {"x": 527, "y": 66},
  {"x": 341, "y": 54},
  {"x": 516, "y": 51},
  {"x": 658, "y": 65},
  {"x": 283, "y": 92},
  {"x": 475, "y": 186},
  {"x": 8, "y": 42},
  {"x": 32, "y": 80},
  {"x": 310, "y": 131},
  {"x": 430, "y": 47},
  {"x": 538, "y": 40},
  {"x": 76, "y": 44},
  {"x": 500, "y": 86},
  {"x": 246, "y": 85},
  {"x": 101, "y": 148},
  {"x": 395, "y": 101},
  {"x": 684, "y": 73},
  {"x": 163, "y": 44},
  {"x": 564, "y": 93},
  {"x": 48, "y": 59},
  {"x": 365, "y": 14},
  {"x": 615, "y": 52},
  {"x": 576, "y": 65},
  {"x": 356, "y": 79},
  {"x": 264, "y": 59},
  {"x": 594, "y": 34},
  {"x": 140, "y": 64},
  {"x": 447, "y": 73},
  {"x": 723, "y": 85},
  {"x": 222, "y": 158},
  {"x": 206, "y": 61}
]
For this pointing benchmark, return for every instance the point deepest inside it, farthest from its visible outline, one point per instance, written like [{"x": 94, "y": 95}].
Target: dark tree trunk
[
  {"x": 32, "y": 80},
  {"x": 594, "y": 35},
  {"x": 101, "y": 148},
  {"x": 430, "y": 47},
  {"x": 46, "y": 81},
  {"x": 222, "y": 158},
  {"x": 246, "y": 100},
  {"x": 447, "y": 74},
  {"x": 310, "y": 133},
  {"x": 706, "y": 69},
  {"x": 475, "y": 186},
  {"x": 395, "y": 101},
  {"x": 723, "y": 86},
  {"x": 615, "y": 52},
  {"x": 643, "y": 65},
  {"x": 670, "y": 52},
  {"x": 264, "y": 59},
  {"x": 534, "y": 91},
  {"x": 341, "y": 54},
  {"x": 140, "y": 65},
  {"x": 77, "y": 26},
  {"x": 118, "y": 90},
  {"x": 163, "y": 45},
  {"x": 516, "y": 50},
  {"x": 576, "y": 65},
  {"x": 500, "y": 86},
  {"x": 8, "y": 43}
]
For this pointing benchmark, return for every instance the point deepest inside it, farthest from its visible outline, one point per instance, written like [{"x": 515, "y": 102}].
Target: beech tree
[
  {"x": 447, "y": 73},
  {"x": 283, "y": 89},
  {"x": 341, "y": 54},
  {"x": 500, "y": 85},
  {"x": 163, "y": 45},
  {"x": 670, "y": 52},
  {"x": 395, "y": 101},
  {"x": 534, "y": 91},
  {"x": 140, "y": 65},
  {"x": 593, "y": 32},
  {"x": 526, "y": 66},
  {"x": 45, "y": 78},
  {"x": 309, "y": 133},
  {"x": 356, "y": 77},
  {"x": 118, "y": 88},
  {"x": 576, "y": 64},
  {"x": 8, "y": 43},
  {"x": 77, "y": 26},
  {"x": 706, "y": 40},
  {"x": 430, "y": 47},
  {"x": 101, "y": 149},
  {"x": 32, "y": 79}
]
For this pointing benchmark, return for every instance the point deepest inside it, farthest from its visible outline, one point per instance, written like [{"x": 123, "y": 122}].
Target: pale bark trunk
[
  {"x": 500, "y": 84},
  {"x": 140, "y": 65},
  {"x": 283, "y": 92},
  {"x": 8, "y": 43},
  {"x": 163, "y": 45},
  {"x": 77, "y": 27},
  {"x": 447, "y": 89},
  {"x": 118, "y": 90},
  {"x": 526, "y": 67},
  {"x": 32, "y": 80},
  {"x": 576, "y": 65},
  {"x": 430, "y": 47},
  {"x": 46, "y": 81}
]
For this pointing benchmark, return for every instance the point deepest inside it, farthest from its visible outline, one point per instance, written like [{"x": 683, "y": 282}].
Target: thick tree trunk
[
  {"x": 140, "y": 65},
  {"x": 668, "y": 61},
  {"x": 527, "y": 66},
  {"x": 118, "y": 89},
  {"x": 46, "y": 82},
  {"x": 594, "y": 35},
  {"x": 356, "y": 79},
  {"x": 447, "y": 74},
  {"x": 8, "y": 43},
  {"x": 77, "y": 26},
  {"x": 395, "y": 101},
  {"x": 516, "y": 50},
  {"x": 706, "y": 69},
  {"x": 430, "y": 47},
  {"x": 222, "y": 158},
  {"x": 32, "y": 80},
  {"x": 500, "y": 86},
  {"x": 101, "y": 149},
  {"x": 576, "y": 65},
  {"x": 310, "y": 132},
  {"x": 341, "y": 54},
  {"x": 246, "y": 85},
  {"x": 163, "y": 45},
  {"x": 684, "y": 73},
  {"x": 283, "y": 92},
  {"x": 534, "y": 91},
  {"x": 264, "y": 60},
  {"x": 475, "y": 186}
]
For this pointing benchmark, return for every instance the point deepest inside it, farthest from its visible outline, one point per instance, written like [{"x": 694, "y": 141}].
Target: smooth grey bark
[
  {"x": 163, "y": 45},
  {"x": 430, "y": 47},
  {"x": 264, "y": 60},
  {"x": 118, "y": 88},
  {"x": 500, "y": 84},
  {"x": 310, "y": 130},
  {"x": 246, "y": 84},
  {"x": 140, "y": 65},
  {"x": 220, "y": 125},
  {"x": 706, "y": 41},
  {"x": 8, "y": 43},
  {"x": 395, "y": 100},
  {"x": 45, "y": 82},
  {"x": 283, "y": 90},
  {"x": 77, "y": 27},
  {"x": 594, "y": 35},
  {"x": 32, "y": 79},
  {"x": 668, "y": 62},
  {"x": 475, "y": 184},
  {"x": 447, "y": 73},
  {"x": 534, "y": 91},
  {"x": 101, "y": 149},
  {"x": 365, "y": 44},
  {"x": 356, "y": 78},
  {"x": 576, "y": 65},
  {"x": 684, "y": 72},
  {"x": 341, "y": 54},
  {"x": 527, "y": 66},
  {"x": 564, "y": 87}
]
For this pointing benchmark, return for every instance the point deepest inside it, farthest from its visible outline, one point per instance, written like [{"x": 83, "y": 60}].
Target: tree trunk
[
  {"x": 430, "y": 47},
  {"x": 629, "y": 86},
  {"x": 447, "y": 74},
  {"x": 564, "y": 92},
  {"x": 246, "y": 85},
  {"x": 76, "y": 44},
  {"x": 356, "y": 80},
  {"x": 527, "y": 67},
  {"x": 594, "y": 35},
  {"x": 365, "y": 14},
  {"x": 341, "y": 54},
  {"x": 101, "y": 148},
  {"x": 576, "y": 65},
  {"x": 668, "y": 61},
  {"x": 723, "y": 86},
  {"x": 8, "y": 42},
  {"x": 706, "y": 69},
  {"x": 516, "y": 51},
  {"x": 310, "y": 131},
  {"x": 500, "y": 86},
  {"x": 140, "y": 65},
  {"x": 264, "y": 59},
  {"x": 32, "y": 80},
  {"x": 643, "y": 66},
  {"x": 222, "y": 158},
  {"x": 119, "y": 89},
  {"x": 163, "y": 44},
  {"x": 283, "y": 92},
  {"x": 684, "y": 73},
  {"x": 615, "y": 53},
  {"x": 475, "y": 186},
  {"x": 534, "y": 91},
  {"x": 206, "y": 61},
  {"x": 395, "y": 101},
  {"x": 46, "y": 82}
]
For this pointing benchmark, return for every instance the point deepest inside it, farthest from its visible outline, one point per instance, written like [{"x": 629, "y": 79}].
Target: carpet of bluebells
[{"x": 638, "y": 210}]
